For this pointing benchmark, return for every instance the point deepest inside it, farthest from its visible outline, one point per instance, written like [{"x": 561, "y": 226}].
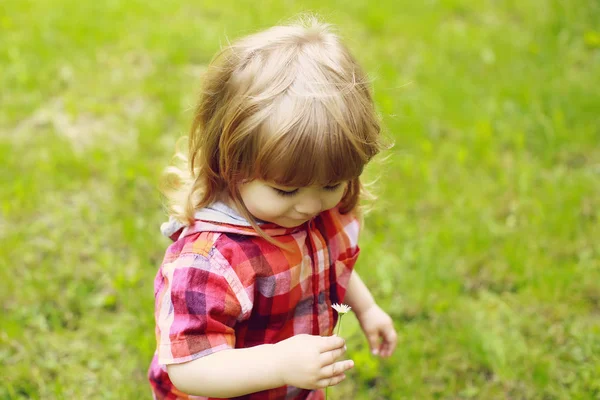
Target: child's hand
[
  {"x": 309, "y": 362},
  {"x": 379, "y": 330}
]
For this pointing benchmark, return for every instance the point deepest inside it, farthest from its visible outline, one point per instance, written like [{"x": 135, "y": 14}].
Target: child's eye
[
  {"x": 285, "y": 192},
  {"x": 332, "y": 188}
]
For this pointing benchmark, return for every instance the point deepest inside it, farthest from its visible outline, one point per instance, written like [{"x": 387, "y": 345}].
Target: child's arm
[
  {"x": 304, "y": 361},
  {"x": 375, "y": 323}
]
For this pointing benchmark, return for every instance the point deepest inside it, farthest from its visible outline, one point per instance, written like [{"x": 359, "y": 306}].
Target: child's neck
[{"x": 228, "y": 201}]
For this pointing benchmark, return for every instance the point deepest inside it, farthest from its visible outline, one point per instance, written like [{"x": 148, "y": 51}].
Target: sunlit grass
[{"x": 483, "y": 245}]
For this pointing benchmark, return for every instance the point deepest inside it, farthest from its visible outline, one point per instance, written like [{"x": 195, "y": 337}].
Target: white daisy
[{"x": 341, "y": 308}]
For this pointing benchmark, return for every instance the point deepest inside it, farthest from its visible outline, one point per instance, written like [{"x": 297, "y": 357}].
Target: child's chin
[{"x": 289, "y": 223}]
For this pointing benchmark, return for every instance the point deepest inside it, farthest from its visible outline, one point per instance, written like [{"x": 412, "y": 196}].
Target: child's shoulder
[
  {"x": 211, "y": 252},
  {"x": 220, "y": 247},
  {"x": 199, "y": 244}
]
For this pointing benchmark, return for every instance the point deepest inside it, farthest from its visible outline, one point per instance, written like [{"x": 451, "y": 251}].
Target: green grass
[{"x": 483, "y": 245}]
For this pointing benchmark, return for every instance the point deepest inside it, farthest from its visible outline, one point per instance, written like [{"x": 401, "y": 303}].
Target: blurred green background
[{"x": 483, "y": 245}]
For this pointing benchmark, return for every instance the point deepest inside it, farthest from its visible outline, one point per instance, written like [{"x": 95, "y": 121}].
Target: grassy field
[{"x": 484, "y": 245}]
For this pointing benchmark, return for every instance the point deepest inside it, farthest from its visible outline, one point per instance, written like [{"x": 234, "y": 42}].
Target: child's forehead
[{"x": 287, "y": 165}]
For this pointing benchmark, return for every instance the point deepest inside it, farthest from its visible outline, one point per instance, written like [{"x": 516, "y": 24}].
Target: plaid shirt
[{"x": 223, "y": 286}]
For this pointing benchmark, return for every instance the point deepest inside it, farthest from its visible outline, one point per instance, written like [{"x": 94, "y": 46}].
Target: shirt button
[{"x": 321, "y": 298}]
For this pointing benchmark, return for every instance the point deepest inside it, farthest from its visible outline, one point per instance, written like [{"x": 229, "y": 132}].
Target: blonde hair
[{"x": 288, "y": 105}]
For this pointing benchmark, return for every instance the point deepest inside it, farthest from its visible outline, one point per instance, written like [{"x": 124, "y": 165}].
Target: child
[{"x": 264, "y": 223}]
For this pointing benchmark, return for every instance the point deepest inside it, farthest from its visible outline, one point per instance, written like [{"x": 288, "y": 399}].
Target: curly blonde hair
[{"x": 288, "y": 105}]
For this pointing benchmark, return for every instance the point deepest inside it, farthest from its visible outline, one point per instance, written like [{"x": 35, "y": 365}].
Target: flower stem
[
  {"x": 339, "y": 325},
  {"x": 338, "y": 334}
]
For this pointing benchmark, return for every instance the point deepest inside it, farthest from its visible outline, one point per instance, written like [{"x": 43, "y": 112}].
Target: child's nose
[{"x": 310, "y": 205}]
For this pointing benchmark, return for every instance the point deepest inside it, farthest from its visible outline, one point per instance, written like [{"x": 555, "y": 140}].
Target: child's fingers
[
  {"x": 390, "y": 339},
  {"x": 323, "y": 383},
  {"x": 330, "y": 357},
  {"x": 373, "y": 339},
  {"x": 328, "y": 343},
  {"x": 337, "y": 368},
  {"x": 385, "y": 350}
]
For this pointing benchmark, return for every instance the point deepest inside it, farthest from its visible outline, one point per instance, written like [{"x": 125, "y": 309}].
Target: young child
[{"x": 264, "y": 223}]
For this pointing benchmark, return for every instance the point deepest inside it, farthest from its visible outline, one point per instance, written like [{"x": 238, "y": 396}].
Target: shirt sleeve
[{"x": 196, "y": 309}]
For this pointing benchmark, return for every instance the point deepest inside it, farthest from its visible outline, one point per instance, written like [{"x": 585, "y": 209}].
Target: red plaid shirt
[{"x": 222, "y": 286}]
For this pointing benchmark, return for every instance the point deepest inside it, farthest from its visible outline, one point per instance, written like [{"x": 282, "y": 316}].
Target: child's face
[{"x": 289, "y": 206}]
